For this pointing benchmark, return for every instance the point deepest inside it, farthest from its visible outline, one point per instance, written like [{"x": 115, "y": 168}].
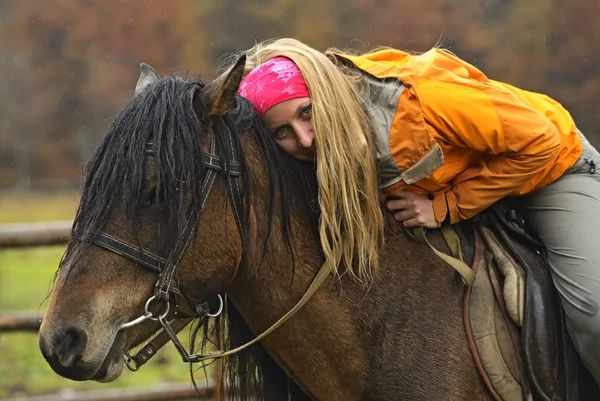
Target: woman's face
[{"x": 290, "y": 124}]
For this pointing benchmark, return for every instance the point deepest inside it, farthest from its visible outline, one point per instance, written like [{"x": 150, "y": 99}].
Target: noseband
[{"x": 166, "y": 289}]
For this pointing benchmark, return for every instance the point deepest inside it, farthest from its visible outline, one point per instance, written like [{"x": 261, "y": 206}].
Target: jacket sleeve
[{"x": 513, "y": 143}]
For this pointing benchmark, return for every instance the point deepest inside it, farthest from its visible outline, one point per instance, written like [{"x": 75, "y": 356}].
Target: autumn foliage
[{"x": 69, "y": 66}]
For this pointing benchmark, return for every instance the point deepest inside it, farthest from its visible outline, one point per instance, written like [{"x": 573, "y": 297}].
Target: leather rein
[{"x": 166, "y": 289}]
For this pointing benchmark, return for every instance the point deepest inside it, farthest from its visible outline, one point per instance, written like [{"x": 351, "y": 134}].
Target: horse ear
[
  {"x": 147, "y": 77},
  {"x": 223, "y": 96}
]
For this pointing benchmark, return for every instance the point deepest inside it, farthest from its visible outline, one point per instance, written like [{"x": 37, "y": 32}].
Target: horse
[{"x": 188, "y": 171}]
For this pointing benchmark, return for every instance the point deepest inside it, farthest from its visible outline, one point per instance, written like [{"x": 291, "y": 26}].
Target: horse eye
[{"x": 149, "y": 197}]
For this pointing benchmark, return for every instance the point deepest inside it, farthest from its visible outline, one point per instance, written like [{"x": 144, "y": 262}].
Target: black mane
[{"x": 166, "y": 114}]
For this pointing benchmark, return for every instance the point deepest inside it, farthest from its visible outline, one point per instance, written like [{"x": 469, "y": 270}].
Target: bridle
[{"x": 166, "y": 289}]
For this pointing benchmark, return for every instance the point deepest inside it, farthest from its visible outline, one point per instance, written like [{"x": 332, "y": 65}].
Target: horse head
[{"x": 162, "y": 222}]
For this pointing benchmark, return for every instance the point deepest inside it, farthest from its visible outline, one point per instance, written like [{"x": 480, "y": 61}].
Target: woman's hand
[{"x": 413, "y": 210}]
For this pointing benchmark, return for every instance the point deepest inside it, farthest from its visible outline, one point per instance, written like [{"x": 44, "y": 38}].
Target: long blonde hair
[{"x": 351, "y": 222}]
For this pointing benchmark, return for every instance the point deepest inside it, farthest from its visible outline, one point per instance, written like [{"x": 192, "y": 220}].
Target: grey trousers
[{"x": 566, "y": 217}]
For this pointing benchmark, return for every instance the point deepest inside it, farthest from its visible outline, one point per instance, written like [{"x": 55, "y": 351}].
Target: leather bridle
[{"x": 166, "y": 289}]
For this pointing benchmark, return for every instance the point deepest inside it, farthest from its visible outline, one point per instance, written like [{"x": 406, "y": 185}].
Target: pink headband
[{"x": 273, "y": 82}]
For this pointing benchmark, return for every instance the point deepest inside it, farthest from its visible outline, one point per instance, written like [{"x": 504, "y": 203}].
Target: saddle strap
[
  {"x": 453, "y": 242},
  {"x": 419, "y": 234}
]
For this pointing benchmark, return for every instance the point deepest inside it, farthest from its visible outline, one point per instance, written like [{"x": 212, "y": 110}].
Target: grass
[{"x": 25, "y": 281}]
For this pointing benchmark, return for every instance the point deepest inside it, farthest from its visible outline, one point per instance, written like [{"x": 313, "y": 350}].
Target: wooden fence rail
[
  {"x": 20, "y": 321},
  {"x": 34, "y": 234}
]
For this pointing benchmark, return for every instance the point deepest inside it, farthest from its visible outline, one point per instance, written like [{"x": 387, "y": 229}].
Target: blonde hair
[{"x": 351, "y": 222}]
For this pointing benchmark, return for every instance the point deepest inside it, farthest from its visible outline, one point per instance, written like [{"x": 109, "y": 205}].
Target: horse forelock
[
  {"x": 164, "y": 114},
  {"x": 114, "y": 176}
]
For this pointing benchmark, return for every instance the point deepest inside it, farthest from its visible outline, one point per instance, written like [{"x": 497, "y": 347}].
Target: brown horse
[{"x": 252, "y": 236}]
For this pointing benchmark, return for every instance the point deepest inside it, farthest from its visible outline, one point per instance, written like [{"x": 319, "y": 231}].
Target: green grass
[{"x": 25, "y": 281}]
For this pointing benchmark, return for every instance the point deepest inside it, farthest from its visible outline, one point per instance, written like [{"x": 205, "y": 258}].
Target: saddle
[{"x": 513, "y": 318}]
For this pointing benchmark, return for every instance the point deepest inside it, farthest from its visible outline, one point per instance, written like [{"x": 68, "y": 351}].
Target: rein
[{"x": 166, "y": 289}]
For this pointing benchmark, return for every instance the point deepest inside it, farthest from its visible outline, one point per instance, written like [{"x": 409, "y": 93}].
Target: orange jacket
[{"x": 495, "y": 140}]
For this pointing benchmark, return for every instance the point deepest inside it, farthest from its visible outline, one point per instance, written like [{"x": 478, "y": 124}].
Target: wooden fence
[
  {"x": 20, "y": 321},
  {"x": 56, "y": 233},
  {"x": 34, "y": 234},
  {"x": 29, "y": 235}
]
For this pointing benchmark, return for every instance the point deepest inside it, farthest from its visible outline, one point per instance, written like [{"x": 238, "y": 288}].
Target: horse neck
[
  {"x": 268, "y": 285},
  {"x": 377, "y": 332}
]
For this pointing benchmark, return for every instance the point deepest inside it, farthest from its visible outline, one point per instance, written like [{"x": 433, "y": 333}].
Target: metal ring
[
  {"x": 130, "y": 363},
  {"x": 147, "y": 309},
  {"x": 220, "y": 308}
]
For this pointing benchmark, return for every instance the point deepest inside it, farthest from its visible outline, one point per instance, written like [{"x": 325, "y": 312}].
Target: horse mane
[{"x": 165, "y": 114}]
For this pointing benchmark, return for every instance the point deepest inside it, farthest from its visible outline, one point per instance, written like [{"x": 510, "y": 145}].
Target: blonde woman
[{"x": 441, "y": 142}]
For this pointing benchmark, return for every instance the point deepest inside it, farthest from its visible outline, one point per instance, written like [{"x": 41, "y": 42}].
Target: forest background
[{"x": 67, "y": 67}]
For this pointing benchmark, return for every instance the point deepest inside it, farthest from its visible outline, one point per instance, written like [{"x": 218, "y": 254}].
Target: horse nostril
[
  {"x": 43, "y": 346},
  {"x": 70, "y": 346}
]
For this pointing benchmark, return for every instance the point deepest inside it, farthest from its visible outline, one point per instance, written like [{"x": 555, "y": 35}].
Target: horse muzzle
[{"x": 64, "y": 350}]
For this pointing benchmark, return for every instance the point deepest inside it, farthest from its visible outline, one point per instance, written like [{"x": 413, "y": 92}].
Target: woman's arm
[{"x": 516, "y": 141}]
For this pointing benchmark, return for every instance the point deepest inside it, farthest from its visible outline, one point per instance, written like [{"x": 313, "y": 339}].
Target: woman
[{"x": 447, "y": 142}]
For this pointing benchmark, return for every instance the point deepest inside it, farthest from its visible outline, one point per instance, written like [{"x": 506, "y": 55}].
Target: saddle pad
[
  {"x": 514, "y": 277},
  {"x": 493, "y": 336}
]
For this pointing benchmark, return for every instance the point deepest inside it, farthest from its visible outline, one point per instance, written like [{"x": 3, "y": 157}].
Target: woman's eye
[
  {"x": 306, "y": 111},
  {"x": 280, "y": 132}
]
